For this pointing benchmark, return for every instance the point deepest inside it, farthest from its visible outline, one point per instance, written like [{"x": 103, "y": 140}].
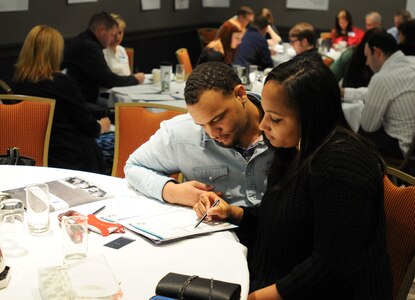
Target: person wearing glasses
[{"x": 303, "y": 39}]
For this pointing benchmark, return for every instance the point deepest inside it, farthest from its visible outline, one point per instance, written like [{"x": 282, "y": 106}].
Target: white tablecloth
[
  {"x": 139, "y": 265},
  {"x": 148, "y": 93},
  {"x": 353, "y": 112}
]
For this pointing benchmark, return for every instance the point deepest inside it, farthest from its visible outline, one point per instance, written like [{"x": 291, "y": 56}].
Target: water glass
[
  {"x": 166, "y": 72},
  {"x": 37, "y": 206},
  {"x": 156, "y": 77},
  {"x": 12, "y": 231},
  {"x": 253, "y": 72},
  {"x": 75, "y": 238},
  {"x": 180, "y": 73}
]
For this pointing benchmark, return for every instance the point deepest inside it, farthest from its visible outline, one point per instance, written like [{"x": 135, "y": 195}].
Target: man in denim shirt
[{"x": 217, "y": 146}]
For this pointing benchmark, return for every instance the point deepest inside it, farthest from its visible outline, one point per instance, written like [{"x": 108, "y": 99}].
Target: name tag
[{"x": 351, "y": 34}]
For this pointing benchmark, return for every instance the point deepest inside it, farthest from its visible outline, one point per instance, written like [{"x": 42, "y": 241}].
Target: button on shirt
[{"x": 390, "y": 99}]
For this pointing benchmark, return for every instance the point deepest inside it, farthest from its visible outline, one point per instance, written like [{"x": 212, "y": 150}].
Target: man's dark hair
[
  {"x": 102, "y": 18},
  {"x": 408, "y": 31},
  {"x": 215, "y": 76},
  {"x": 383, "y": 41},
  {"x": 260, "y": 22}
]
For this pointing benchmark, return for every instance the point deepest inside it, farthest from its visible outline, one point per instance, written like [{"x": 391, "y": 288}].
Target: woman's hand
[{"x": 223, "y": 211}]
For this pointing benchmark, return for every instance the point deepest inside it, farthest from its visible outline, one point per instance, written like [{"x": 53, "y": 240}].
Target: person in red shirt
[{"x": 345, "y": 31}]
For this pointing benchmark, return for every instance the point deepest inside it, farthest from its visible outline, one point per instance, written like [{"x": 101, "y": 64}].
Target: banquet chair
[
  {"x": 206, "y": 35},
  {"x": 400, "y": 231},
  {"x": 134, "y": 125},
  {"x": 183, "y": 58},
  {"x": 27, "y": 125},
  {"x": 130, "y": 54},
  {"x": 407, "y": 164}
]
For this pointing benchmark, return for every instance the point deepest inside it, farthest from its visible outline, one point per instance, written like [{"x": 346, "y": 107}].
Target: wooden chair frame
[
  {"x": 146, "y": 105},
  {"x": 50, "y": 118}
]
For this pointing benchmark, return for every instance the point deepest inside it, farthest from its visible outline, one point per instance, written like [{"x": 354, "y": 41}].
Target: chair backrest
[
  {"x": 407, "y": 164},
  {"x": 130, "y": 54},
  {"x": 27, "y": 125},
  {"x": 134, "y": 125},
  {"x": 400, "y": 234},
  {"x": 183, "y": 58},
  {"x": 206, "y": 35}
]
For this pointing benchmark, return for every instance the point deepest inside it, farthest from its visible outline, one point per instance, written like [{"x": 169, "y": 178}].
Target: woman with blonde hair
[
  {"x": 116, "y": 55},
  {"x": 37, "y": 72}
]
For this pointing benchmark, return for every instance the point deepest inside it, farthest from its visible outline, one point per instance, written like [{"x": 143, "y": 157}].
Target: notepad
[{"x": 173, "y": 223}]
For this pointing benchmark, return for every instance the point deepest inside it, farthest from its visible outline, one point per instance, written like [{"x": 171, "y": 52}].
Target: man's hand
[{"x": 186, "y": 193}]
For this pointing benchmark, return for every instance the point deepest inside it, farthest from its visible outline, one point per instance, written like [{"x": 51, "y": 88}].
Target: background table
[
  {"x": 139, "y": 265},
  {"x": 148, "y": 93}
]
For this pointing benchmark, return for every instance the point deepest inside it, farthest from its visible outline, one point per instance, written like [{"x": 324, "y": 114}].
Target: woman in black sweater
[
  {"x": 72, "y": 141},
  {"x": 320, "y": 230}
]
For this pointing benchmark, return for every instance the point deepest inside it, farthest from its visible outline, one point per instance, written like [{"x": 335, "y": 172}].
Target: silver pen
[{"x": 216, "y": 203}]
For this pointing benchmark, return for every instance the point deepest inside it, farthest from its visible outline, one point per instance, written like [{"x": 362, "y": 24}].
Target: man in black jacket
[{"x": 84, "y": 60}]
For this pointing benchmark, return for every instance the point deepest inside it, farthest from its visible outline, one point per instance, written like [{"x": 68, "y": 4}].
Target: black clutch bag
[
  {"x": 13, "y": 157},
  {"x": 185, "y": 287}
]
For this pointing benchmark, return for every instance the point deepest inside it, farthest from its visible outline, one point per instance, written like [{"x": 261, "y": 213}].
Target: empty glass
[
  {"x": 37, "y": 205},
  {"x": 180, "y": 73},
  {"x": 12, "y": 231},
  {"x": 75, "y": 238}
]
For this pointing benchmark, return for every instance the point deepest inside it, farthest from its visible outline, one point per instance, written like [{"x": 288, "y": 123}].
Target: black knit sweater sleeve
[
  {"x": 345, "y": 187},
  {"x": 323, "y": 235}
]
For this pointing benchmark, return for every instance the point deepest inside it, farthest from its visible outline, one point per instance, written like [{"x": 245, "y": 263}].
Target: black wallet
[{"x": 185, "y": 287}]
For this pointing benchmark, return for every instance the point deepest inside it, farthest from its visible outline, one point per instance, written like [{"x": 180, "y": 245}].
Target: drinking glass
[
  {"x": 180, "y": 73},
  {"x": 12, "y": 231},
  {"x": 37, "y": 205},
  {"x": 75, "y": 238}
]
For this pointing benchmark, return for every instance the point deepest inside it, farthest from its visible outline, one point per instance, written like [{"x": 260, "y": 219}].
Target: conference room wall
[{"x": 156, "y": 34}]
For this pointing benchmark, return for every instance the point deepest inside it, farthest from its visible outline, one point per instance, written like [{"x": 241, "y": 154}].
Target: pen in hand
[{"x": 216, "y": 203}]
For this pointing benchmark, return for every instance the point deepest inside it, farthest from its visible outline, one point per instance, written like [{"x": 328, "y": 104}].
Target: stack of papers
[{"x": 162, "y": 222}]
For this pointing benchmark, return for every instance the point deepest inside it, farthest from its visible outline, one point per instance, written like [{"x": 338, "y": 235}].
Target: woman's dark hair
[
  {"x": 312, "y": 91},
  {"x": 358, "y": 74},
  {"x": 407, "y": 29},
  {"x": 344, "y": 14}
]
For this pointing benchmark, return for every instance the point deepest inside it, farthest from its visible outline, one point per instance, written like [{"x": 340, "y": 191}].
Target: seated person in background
[
  {"x": 373, "y": 19},
  {"x": 351, "y": 66},
  {"x": 72, "y": 140},
  {"x": 223, "y": 48},
  {"x": 303, "y": 39},
  {"x": 388, "y": 117},
  {"x": 344, "y": 31},
  {"x": 273, "y": 37},
  {"x": 217, "y": 146},
  {"x": 407, "y": 37},
  {"x": 84, "y": 60},
  {"x": 115, "y": 54},
  {"x": 254, "y": 49},
  {"x": 400, "y": 17},
  {"x": 320, "y": 230},
  {"x": 243, "y": 18}
]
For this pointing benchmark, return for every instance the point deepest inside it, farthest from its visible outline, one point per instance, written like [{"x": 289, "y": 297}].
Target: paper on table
[
  {"x": 174, "y": 223},
  {"x": 136, "y": 89},
  {"x": 130, "y": 207},
  {"x": 150, "y": 97}
]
